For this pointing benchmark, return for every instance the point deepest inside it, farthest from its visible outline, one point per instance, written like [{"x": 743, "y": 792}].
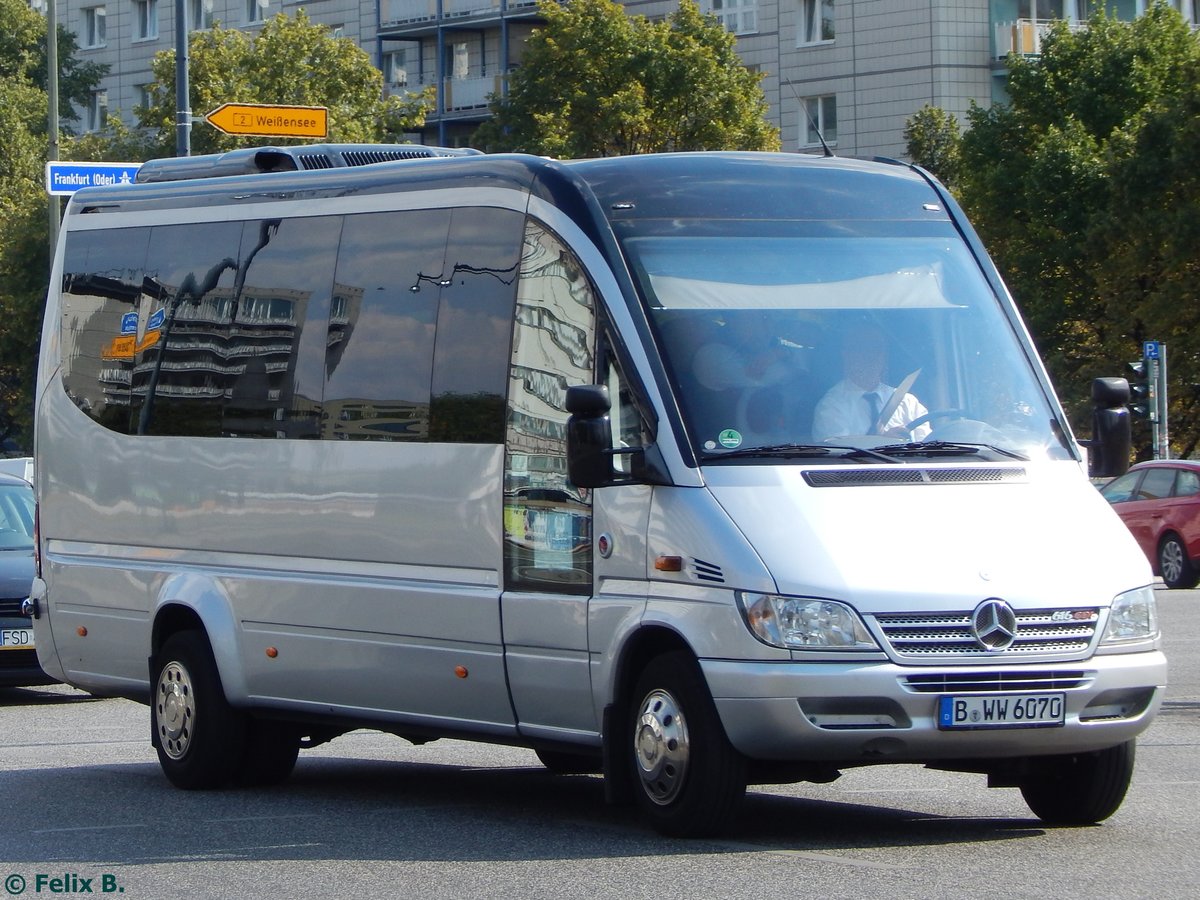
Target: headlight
[
  {"x": 804, "y": 623},
  {"x": 1133, "y": 617}
]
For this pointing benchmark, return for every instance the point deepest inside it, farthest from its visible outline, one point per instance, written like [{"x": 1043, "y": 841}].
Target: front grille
[
  {"x": 1038, "y": 632},
  {"x": 992, "y": 682},
  {"x": 11, "y": 606}
]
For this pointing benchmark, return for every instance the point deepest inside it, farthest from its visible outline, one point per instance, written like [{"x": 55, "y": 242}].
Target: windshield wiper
[
  {"x": 944, "y": 448},
  {"x": 795, "y": 451}
]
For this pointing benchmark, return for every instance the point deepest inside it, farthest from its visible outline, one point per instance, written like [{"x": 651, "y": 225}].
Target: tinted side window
[
  {"x": 1157, "y": 484},
  {"x": 1187, "y": 483},
  {"x": 236, "y": 302},
  {"x": 379, "y": 356},
  {"x": 474, "y": 326},
  {"x": 102, "y": 308}
]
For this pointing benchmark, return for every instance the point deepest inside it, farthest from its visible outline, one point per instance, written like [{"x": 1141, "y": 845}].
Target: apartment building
[{"x": 850, "y": 71}]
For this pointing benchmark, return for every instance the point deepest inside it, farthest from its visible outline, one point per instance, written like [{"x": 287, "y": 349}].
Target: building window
[
  {"x": 145, "y": 20},
  {"x": 200, "y": 14},
  {"x": 816, "y": 22},
  {"x": 94, "y": 20},
  {"x": 256, "y": 10},
  {"x": 820, "y": 121},
  {"x": 395, "y": 68},
  {"x": 738, "y": 16},
  {"x": 146, "y": 95},
  {"x": 460, "y": 61},
  {"x": 337, "y": 31},
  {"x": 97, "y": 113}
]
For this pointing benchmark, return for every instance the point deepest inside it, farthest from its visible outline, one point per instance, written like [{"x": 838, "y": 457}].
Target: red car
[{"x": 1160, "y": 503}]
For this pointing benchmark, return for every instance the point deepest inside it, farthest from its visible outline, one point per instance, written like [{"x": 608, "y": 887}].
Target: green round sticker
[{"x": 730, "y": 438}]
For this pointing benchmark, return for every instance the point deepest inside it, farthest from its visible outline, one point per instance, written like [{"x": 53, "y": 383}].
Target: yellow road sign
[{"x": 270, "y": 121}]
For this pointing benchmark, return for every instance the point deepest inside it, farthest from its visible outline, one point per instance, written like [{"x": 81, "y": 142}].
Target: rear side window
[
  {"x": 1157, "y": 484},
  {"x": 103, "y": 282},
  {"x": 1187, "y": 483}
]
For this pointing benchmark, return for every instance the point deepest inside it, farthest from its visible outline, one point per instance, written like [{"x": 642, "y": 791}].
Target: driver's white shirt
[{"x": 844, "y": 410}]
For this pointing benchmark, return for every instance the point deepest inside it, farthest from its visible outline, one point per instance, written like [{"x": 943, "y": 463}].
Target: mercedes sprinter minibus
[{"x": 698, "y": 470}]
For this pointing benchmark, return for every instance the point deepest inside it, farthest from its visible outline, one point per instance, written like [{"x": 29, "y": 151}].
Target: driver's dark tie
[{"x": 874, "y": 405}]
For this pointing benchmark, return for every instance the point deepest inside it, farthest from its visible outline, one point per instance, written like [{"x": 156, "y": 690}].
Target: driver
[{"x": 854, "y": 405}]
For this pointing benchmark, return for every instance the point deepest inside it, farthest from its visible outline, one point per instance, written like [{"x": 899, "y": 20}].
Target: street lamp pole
[
  {"x": 183, "y": 112},
  {"x": 52, "y": 119}
]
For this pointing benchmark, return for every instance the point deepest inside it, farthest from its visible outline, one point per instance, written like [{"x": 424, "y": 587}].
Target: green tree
[
  {"x": 24, "y": 251},
  {"x": 1046, "y": 178},
  {"x": 23, "y": 57},
  {"x": 932, "y": 138},
  {"x": 595, "y": 81},
  {"x": 291, "y": 62}
]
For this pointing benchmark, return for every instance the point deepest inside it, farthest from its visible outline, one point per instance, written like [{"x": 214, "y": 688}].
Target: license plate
[
  {"x": 1003, "y": 711},
  {"x": 16, "y": 637}
]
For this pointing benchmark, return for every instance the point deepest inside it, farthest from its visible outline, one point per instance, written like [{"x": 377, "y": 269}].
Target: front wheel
[
  {"x": 1079, "y": 788},
  {"x": 1174, "y": 564},
  {"x": 688, "y": 778},
  {"x": 199, "y": 737}
]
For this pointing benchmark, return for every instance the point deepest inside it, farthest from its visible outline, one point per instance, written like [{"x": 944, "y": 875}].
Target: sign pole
[
  {"x": 1163, "y": 450},
  {"x": 183, "y": 109}
]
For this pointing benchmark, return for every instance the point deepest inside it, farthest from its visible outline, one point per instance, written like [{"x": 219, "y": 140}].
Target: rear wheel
[
  {"x": 199, "y": 737},
  {"x": 1079, "y": 788},
  {"x": 1173, "y": 563},
  {"x": 689, "y": 780}
]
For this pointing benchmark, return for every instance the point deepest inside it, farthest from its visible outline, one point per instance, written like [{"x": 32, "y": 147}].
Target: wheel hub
[
  {"x": 661, "y": 747},
  {"x": 175, "y": 710}
]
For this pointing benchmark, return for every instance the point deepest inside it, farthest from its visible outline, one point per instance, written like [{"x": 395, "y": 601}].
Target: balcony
[
  {"x": 460, "y": 94},
  {"x": 1024, "y": 36},
  {"x": 404, "y": 12}
]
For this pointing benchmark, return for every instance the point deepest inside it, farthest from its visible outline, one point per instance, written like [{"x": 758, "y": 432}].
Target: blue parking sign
[{"x": 1150, "y": 350}]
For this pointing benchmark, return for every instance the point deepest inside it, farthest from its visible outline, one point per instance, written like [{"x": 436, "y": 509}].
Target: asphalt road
[{"x": 84, "y": 805}]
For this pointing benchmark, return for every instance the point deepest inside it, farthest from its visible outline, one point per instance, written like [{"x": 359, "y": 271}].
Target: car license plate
[
  {"x": 1002, "y": 711},
  {"x": 16, "y": 637}
]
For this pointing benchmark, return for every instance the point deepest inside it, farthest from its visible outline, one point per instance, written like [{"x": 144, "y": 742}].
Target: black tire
[
  {"x": 270, "y": 755},
  {"x": 199, "y": 737},
  {"x": 1081, "y": 788},
  {"x": 562, "y": 762},
  {"x": 1174, "y": 564},
  {"x": 688, "y": 779}
]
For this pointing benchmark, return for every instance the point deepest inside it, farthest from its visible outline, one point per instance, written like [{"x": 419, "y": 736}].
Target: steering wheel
[{"x": 935, "y": 414}]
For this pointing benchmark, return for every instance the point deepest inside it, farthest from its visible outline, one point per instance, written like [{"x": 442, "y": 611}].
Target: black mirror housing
[{"x": 1111, "y": 428}]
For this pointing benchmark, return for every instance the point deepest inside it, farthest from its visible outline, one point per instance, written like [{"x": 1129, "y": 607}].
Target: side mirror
[
  {"x": 589, "y": 436},
  {"x": 1111, "y": 429}
]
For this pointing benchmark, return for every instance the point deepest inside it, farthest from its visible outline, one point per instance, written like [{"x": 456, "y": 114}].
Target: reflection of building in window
[{"x": 547, "y": 520}]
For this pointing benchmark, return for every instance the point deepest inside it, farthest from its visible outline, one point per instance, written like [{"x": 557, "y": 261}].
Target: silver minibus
[{"x": 694, "y": 470}]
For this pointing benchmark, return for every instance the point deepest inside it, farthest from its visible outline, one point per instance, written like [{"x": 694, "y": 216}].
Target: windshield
[
  {"x": 16, "y": 517},
  {"x": 817, "y": 346}
]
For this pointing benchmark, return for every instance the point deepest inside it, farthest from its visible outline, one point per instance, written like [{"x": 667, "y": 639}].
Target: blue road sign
[
  {"x": 1150, "y": 350},
  {"x": 68, "y": 177}
]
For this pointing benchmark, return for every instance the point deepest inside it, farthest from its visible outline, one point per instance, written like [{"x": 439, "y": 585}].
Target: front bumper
[{"x": 870, "y": 712}]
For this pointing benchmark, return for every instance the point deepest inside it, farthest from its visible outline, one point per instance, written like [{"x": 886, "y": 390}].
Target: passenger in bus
[
  {"x": 855, "y": 404},
  {"x": 744, "y": 354}
]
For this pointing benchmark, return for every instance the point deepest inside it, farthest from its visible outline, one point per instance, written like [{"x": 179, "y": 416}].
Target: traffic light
[{"x": 1139, "y": 390}]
